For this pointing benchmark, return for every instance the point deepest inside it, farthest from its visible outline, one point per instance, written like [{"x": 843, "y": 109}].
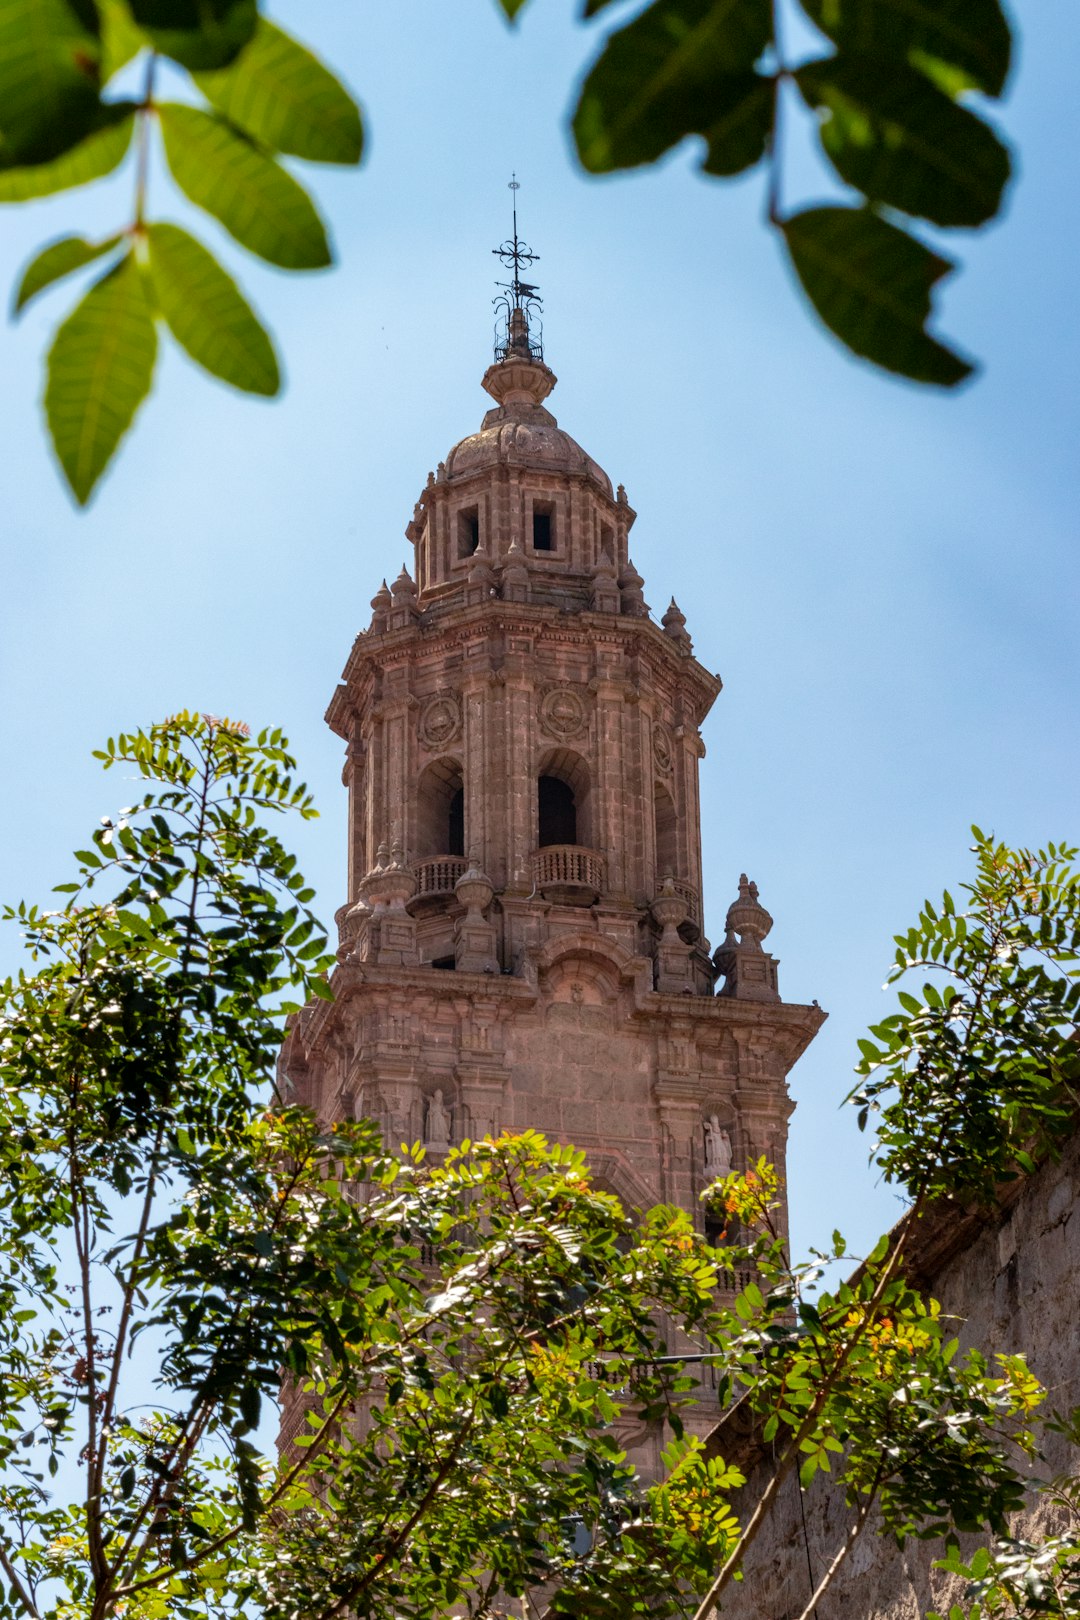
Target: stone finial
[
  {"x": 605, "y": 591},
  {"x": 474, "y": 937},
  {"x": 515, "y": 575},
  {"x": 430, "y": 480},
  {"x": 381, "y": 603},
  {"x": 620, "y": 495},
  {"x": 747, "y": 917},
  {"x": 749, "y": 972},
  {"x": 440, "y": 476},
  {"x": 630, "y": 590},
  {"x": 404, "y": 587},
  {"x": 674, "y": 623}
]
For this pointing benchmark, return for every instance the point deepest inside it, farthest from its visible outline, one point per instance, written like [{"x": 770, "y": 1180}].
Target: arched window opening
[
  {"x": 468, "y": 531},
  {"x": 563, "y": 799},
  {"x": 558, "y": 812},
  {"x": 666, "y": 829},
  {"x": 440, "y": 810},
  {"x": 456, "y": 824}
]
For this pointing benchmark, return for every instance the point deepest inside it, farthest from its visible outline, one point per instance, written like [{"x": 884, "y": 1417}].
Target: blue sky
[{"x": 884, "y": 577}]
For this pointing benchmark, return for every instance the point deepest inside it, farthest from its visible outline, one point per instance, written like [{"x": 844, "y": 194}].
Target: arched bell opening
[
  {"x": 666, "y": 834},
  {"x": 567, "y": 868},
  {"x": 666, "y": 844},
  {"x": 439, "y": 855}
]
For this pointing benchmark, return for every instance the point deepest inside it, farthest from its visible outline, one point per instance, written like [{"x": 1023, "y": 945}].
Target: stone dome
[
  {"x": 519, "y": 431},
  {"x": 525, "y": 437}
]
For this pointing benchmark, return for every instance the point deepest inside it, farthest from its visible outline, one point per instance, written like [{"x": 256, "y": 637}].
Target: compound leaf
[
  {"x": 901, "y": 141},
  {"x": 100, "y": 368},
  {"x": 684, "y": 67},
  {"x": 207, "y": 314},
  {"x": 198, "y": 34},
  {"x": 50, "y": 59},
  {"x": 99, "y": 153},
  {"x": 871, "y": 283},
  {"x": 57, "y": 260},
  {"x": 972, "y": 35},
  {"x": 280, "y": 93},
  {"x": 222, "y": 171}
]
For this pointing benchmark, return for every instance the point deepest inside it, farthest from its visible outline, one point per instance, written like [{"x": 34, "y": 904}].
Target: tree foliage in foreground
[
  {"x": 471, "y": 1344},
  {"x": 896, "y": 94},
  {"x": 82, "y": 88}
]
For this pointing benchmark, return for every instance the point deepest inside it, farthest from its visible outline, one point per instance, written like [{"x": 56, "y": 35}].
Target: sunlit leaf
[
  {"x": 895, "y": 137},
  {"x": 197, "y": 33},
  {"x": 98, "y": 154},
  {"x": 871, "y": 283},
  {"x": 684, "y": 67},
  {"x": 121, "y": 40},
  {"x": 969, "y": 34},
  {"x": 207, "y": 314},
  {"x": 57, "y": 260},
  {"x": 100, "y": 368},
  {"x": 280, "y": 93},
  {"x": 257, "y": 202}
]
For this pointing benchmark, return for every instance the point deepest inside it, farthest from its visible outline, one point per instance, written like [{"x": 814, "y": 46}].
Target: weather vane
[{"x": 518, "y": 328}]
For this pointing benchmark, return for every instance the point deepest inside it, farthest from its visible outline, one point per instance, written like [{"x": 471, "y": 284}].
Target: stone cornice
[{"x": 380, "y": 652}]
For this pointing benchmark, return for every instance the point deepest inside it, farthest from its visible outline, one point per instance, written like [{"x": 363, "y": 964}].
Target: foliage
[
  {"x": 461, "y": 1342},
  {"x": 972, "y": 1082},
  {"x": 891, "y": 98},
  {"x": 896, "y": 93},
  {"x": 66, "y": 118},
  {"x": 465, "y": 1348}
]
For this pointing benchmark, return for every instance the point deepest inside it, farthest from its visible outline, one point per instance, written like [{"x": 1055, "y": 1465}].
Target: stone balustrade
[
  {"x": 569, "y": 872},
  {"x": 438, "y": 875}
]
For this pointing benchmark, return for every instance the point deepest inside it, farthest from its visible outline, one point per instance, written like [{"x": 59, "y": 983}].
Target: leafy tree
[
  {"x": 462, "y": 1345},
  {"x": 897, "y": 91}
]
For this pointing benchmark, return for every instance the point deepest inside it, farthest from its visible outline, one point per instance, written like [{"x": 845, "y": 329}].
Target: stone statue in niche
[
  {"x": 717, "y": 1149},
  {"x": 437, "y": 1133}
]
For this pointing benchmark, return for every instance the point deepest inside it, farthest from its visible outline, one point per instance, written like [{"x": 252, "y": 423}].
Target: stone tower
[{"x": 522, "y": 944}]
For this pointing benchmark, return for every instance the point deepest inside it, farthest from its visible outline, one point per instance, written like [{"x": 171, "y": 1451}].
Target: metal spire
[{"x": 518, "y": 329}]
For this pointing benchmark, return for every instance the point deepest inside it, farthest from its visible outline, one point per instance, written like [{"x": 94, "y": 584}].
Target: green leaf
[
  {"x": 969, "y": 34},
  {"x": 121, "y": 41},
  {"x": 895, "y": 137},
  {"x": 280, "y": 93},
  {"x": 257, "y": 202},
  {"x": 49, "y": 72},
  {"x": 198, "y": 34},
  {"x": 871, "y": 284},
  {"x": 98, "y": 154},
  {"x": 99, "y": 371},
  {"x": 59, "y": 259},
  {"x": 684, "y": 67},
  {"x": 511, "y": 7},
  {"x": 207, "y": 314}
]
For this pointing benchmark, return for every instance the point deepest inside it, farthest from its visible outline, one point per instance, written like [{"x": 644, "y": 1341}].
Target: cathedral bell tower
[{"x": 522, "y": 944}]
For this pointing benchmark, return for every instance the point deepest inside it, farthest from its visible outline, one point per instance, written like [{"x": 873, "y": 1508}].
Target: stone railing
[
  {"x": 568, "y": 871},
  {"x": 438, "y": 875}
]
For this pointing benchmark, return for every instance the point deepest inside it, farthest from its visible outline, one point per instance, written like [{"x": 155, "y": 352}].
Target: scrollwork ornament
[
  {"x": 440, "y": 721},
  {"x": 562, "y": 713}
]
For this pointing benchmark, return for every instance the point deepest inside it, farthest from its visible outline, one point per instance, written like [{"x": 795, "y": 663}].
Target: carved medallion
[
  {"x": 661, "y": 746},
  {"x": 562, "y": 713},
  {"x": 440, "y": 721}
]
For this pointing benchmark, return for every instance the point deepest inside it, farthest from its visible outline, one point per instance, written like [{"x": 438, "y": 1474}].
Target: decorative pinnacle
[{"x": 518, "y": 302}]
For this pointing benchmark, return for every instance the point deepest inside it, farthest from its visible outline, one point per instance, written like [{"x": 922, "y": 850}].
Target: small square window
[
  {"x": 468, "y": 531},
  {"x": 543, "y": 529}
]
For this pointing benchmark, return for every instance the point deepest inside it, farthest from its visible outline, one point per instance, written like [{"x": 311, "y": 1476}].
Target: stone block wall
[{"x": 1014, "y": 1283}]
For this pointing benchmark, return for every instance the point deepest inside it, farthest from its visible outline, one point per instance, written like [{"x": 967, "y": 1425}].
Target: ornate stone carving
[
  {"x": 437, "y": 1128},
  {"x": 661, "y": 747},
  {"x": 717, "y": 1149},
  {"x": 440, "y": 721},
  {"x": 562, "y": 713}
]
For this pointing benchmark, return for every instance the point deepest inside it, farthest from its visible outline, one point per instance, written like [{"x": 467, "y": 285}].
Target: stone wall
[{"x": 1014, "y": 1280}]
